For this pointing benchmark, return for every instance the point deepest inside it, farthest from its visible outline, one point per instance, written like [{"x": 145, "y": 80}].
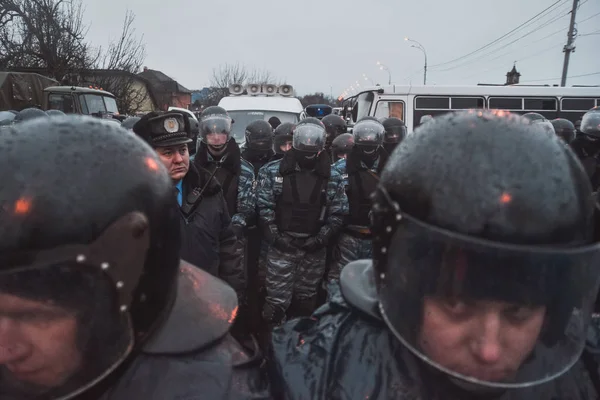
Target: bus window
[
  {"x": 465, "y": 103},
  {"x": 432, "y": 103},
  {"x": 541, "y": 104},
  {"x": 506, "y": 103},
  {"x": 571, "y": 104},
  {"x": 388, "y": 109}
]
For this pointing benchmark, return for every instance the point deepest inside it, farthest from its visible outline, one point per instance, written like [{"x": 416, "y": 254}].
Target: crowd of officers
[{"x": 156, "y": 259}]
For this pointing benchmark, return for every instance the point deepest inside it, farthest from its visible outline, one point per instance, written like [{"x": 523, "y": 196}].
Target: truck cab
[{"x": 80, "y": 100}]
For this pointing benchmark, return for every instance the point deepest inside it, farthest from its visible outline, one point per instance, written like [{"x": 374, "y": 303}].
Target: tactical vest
[
  {"x": 229, "y": 183},
  {"x": 360, "y": 186},
  {"x": 300, "y": 207}
]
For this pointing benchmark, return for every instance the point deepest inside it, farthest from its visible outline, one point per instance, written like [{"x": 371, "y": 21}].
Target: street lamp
[
  {"x": 368, "y": 79},
  {"x": 383, "y": 67},
  {"x": 419, "y": 46}
]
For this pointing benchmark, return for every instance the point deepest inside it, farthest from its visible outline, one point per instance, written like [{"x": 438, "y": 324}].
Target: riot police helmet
[
  {"x": 309, "y": 135},
  {"x": 55, "y": 113},
  {"x": 259, "y": 136},
  {"x": 215, "y": 127},
  {"x": 129, "y": 122},
  {"x": 342, "y": 145},
  {"x": 6, "y": 118},
  {"x": 425, "y": 118},
  {"x": 29, "y": 114},
  {"x": 590, "y": 124},
  {"x": 541, "y": 122},
  {"x": 564, "y": 129},
  {"x": 368, "y": 132},
  {"x": 334, "y": 126},
  {"x": 90, "y": 253},
  {"x": 395, "y": 130},
  {"x": 480, "y": 223},
  {"x": 282, "y": 137}
]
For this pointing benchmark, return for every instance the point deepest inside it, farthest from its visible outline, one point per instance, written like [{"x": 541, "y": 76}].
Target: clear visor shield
[
  {"x": 543, "y": 125},
  {"x": 61, "y": 330},
  {"x": 368, "y": 132},
  {"x": 590, "y": 123},
  {"x": 493, "y": 315},
  {"x": 394, "y": 134},
  {"x": 282, "y": 143},
  {"x": 309, "y": 137},
  {"x": 215, "y": 130}
]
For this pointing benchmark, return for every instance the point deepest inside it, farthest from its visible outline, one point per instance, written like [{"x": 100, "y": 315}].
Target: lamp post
[
  {"x": 419, "y": 46},
  {"x": 383, "y": 67},
  {"x": 368, "y": 79}
]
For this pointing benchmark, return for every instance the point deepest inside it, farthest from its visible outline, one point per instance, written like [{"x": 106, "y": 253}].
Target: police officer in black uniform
[
  {"x": 395, "y": 132},
  {"x": 94, "y": 301},
  {"x": 482, "y": 280},
  {"x": 29, "y": 114},
  {"x": 207, "y": 238},
  {"x": 258, "y": 149},
  {"x": 334, "y": 126},
  {"x": 564, "y": 129},
  {"x": 587, "y": 146},
  {"x": 282, "y": 139}
]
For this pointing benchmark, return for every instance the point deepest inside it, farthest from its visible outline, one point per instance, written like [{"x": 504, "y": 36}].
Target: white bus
[
  {"x": 410, "y": 103},
  {"x": 247, "y": 104}
]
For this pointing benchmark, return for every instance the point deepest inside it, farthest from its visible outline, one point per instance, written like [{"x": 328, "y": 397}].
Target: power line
[
  {"x": 506, "y": 45},
  {"x": 503, "y": 36},
  {"x": 572, "y": 76},
  {"x": 588, "y": 18}
]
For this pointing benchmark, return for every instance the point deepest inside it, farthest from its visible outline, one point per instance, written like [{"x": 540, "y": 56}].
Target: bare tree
[
  {"x": 228, "y": 74},
  {"x": 46, "y": 34},
  {"x": 116, "y": 68}
]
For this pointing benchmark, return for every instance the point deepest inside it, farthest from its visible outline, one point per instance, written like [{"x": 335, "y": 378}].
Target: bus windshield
[{"x": 241, "y": 119}]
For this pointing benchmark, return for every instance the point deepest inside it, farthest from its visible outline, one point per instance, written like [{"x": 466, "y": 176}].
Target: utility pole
[{"x": 570, "y": 46}]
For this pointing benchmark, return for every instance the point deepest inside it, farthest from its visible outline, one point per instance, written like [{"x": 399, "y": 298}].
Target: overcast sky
[{"x": 319, "y": 45}]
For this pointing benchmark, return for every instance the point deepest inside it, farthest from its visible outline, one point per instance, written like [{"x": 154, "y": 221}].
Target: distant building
[
  {"x": 512, "y": 76},
  {"x": 168, "y": 91},
  {"x": 199, "y": 95}
]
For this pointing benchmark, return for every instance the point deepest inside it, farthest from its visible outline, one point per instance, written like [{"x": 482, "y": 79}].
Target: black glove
[
  {"x": 285, "y": 243},
  {"x": 239, "y": 230},
  {"x": 313, "y": 244},
  {"x": 273, "y": 314}
]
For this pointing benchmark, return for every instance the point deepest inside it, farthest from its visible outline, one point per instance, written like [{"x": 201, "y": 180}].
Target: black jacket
[
  {"x": 208, "y": 240},
  {"x": 192, "y": 355}
]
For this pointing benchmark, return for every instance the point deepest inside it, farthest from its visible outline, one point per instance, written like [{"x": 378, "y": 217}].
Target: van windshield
[{"x": 241, "y": 119}]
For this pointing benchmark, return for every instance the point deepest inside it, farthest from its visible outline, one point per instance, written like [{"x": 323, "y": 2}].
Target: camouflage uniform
[
  {"x": 350, "y": 246},
  {"x": 295, "y": 275}
]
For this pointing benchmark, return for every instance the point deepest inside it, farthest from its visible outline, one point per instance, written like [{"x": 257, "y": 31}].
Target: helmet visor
[
  {"x": 309, "y": 137},
  {"x": 529, "y": 304},
  {"x": 394, "y": 134},
  {"x": 62, "y": 330},
  {"x": 368, "y": 133},
  {"x": 215, "y": 130}
]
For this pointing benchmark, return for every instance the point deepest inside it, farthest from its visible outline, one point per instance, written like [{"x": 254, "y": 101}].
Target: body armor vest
[
  {"x": 300, "y": 207},
  {"x": 360, "y": 186}
]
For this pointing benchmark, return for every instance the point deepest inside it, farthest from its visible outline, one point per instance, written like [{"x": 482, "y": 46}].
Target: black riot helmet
[
  {"x": 395, "y": 130},
  {"x": 590, "y": 124},
  {"x": 334, "y": 126},
  {"x": 282, "y": 135},
  {"x": 129, "y": 122},
  {"x": 55, "y": 113},
  {"x": 506, "y": 216},
  {"x": 368, "y": 135},
  {"x": 259, "y": 136},
  {"x": 342, "y": 145},
  {"x": 564, "y": 129},
  {"x": 90, "y": 246},
  {"x": 29, "y": 114},
  {"x": 215, "y": 127},
  {"x": 309, "y": 135},
  {"x": 274, "y": 122},
  {"x": 540, "y": 122}
]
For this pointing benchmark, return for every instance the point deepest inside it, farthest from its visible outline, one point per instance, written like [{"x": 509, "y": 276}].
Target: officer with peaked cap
[
  {"x": 94, "y": 300},
  {"x": 208, "y": 240}
]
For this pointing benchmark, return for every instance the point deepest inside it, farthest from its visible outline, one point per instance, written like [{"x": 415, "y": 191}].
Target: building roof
[{"x": 159, "y": 79}]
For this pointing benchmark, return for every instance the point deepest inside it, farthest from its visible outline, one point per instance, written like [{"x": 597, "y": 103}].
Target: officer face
[
  {"x": 38, "y": 346},
  {"x": 176, "y": 159},
  {"x": 488, "y": 340},
  {"x": 286, "y": 146}
]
